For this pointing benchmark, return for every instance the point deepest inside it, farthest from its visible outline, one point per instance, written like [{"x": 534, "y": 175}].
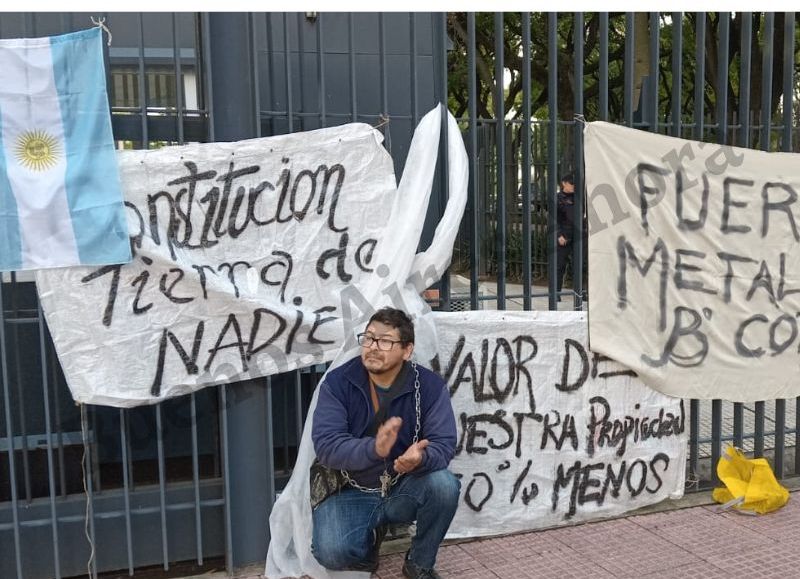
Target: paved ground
[{"x": 691, "y": 542}]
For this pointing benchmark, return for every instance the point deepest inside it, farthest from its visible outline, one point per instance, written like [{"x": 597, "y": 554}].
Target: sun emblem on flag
[{"x": 37, "y": 150}]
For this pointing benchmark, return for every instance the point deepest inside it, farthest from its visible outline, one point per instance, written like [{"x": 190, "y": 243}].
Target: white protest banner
[
  {"x": 250, "y": 259},
  {"x": 694, "y": 263},
  {"x": 549, "y": 433}
]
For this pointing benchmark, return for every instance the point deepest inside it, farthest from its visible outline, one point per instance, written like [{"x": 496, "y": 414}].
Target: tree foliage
[{"x": 486, "y": 45}]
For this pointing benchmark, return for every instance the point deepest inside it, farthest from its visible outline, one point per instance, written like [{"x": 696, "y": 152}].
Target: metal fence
[{"x": 193, "y": 479}]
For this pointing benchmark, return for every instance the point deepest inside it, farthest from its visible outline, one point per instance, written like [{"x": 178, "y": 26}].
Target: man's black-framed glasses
[{"x": 385, "y": 344}]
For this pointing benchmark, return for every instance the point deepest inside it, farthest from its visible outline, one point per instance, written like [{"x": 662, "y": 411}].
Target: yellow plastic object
[{"x": 750, "y": 484}]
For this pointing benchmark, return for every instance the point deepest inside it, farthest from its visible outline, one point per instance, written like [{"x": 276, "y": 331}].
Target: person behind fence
[
  {"x": 384, "y": 433},
  {"x": 565, "y": 222}
]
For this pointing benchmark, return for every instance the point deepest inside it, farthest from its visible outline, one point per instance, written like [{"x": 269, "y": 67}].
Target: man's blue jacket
[{"x": 344, "y": 413}]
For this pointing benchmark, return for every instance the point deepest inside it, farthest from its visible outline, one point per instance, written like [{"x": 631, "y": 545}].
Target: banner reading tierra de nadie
[
  {"x": 249, "y": 259},
  {"x": 694, "y": 263}
]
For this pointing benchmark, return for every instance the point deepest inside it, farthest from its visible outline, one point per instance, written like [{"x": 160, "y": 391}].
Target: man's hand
[
  {"x": 387, "y": 436},
  {"x": 411, "y": 458},
  {"x": 562, "y": 241}
]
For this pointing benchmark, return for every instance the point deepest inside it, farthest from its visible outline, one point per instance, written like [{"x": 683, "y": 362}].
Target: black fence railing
[{"x": 519, "y": 84}]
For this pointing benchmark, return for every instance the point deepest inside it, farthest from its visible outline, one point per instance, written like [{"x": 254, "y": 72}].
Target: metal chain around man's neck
[{"x": 388, "y": 481}]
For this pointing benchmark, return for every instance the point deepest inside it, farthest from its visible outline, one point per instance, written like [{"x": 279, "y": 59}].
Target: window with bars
[{"x": 160, "y": 87}]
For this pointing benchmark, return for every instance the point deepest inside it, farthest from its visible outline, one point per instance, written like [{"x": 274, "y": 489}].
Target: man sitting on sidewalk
[{"x": 388, "y": 425}]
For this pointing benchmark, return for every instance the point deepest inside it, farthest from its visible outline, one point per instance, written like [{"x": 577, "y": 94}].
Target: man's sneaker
[{"x": 413, "y": 571}]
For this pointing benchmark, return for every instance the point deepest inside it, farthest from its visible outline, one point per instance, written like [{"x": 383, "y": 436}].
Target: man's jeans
[{"x": 343, "y": 523}]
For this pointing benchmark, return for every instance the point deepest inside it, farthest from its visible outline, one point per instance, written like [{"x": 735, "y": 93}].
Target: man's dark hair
[
  {"x": 396, "y": 319},
  {"x": 568, "y": 178}
]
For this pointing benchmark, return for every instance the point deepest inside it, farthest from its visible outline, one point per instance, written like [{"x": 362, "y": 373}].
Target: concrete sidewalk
[
  {"x": 696, "y": 541},
  {"x": 684, "y": 538}
]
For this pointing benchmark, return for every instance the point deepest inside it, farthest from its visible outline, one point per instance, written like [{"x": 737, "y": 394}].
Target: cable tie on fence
[
  {"x": 580, "y": 118},
  {"x": 385, "y": 120},
  {"x": 101, "y": 23}
]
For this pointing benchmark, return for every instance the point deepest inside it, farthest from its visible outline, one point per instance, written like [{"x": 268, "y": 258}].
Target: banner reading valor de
[{"x": 694, "y": 263}]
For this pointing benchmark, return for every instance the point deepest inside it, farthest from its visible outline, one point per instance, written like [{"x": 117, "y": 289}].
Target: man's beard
[{"x": 382, "y": 370}]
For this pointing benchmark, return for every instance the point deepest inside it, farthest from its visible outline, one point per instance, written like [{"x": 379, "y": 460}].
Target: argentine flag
[{"x": 60, "y": 196}]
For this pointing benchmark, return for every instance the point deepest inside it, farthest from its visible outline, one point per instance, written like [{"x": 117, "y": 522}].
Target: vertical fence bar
[
  {"x": 29, "y": 24},
  {"x": 126, "y": 491},
  {"x": 301, "y": 74},
  {"x": 87, "y": 479},
  {"x": 256, "y": 79},
  {"x": 440, "y": 44},
  {"x": 56, "y": 381},
  {"x": 765, "y": 137},
  {"x": 298, "y": 406},
  {"x": 285, "y": 412},
  {"x": 162, "y": 498},
  {"x": 677, "y": 74},
  {"x": 788, "y": 80},
  {"x": 526, "y": 160},
  {"x": 12, "y": 470},
  {"x": 722, "y": 136},
  {"x": 352, "y": 55},
  {"x": 694, "y": 437},
  {"x": 744, "y": 77},
  {"x": 270, "y": 448},
  {"x": 95, "y": 470},
  {"x": 655, "y": 44},
  {"x": 630, "y": 32},
  {"x": 176, "y": 48},
  {"x": 738, "y": 424},
  {"x": 143, "y": 86},
  {"x": 50, "y": 465},
  {"x": 382, "y": 58},
  {"x": 131, "y": 473},
  {"x": 552, "y": 155},
  {"x": 716, "y": 437},
  {"x": 699, "y": 76},
  {"x": 500, "y": 138},
  {"x": 722, "y": 78},
  {"x": 323, "y": 101},
  {"x": 786, "y": 146},
  {"x": 23, "y": 415},
  {"x": 603, "y": 112},
  {"x": 205, "y": 27},
  {"x": 766, "y": 82},
  {"x": 414, "y": 100},
  {"x": 780, "y": 435},
  {"x": 758, "y": 443},
  {"x": 198, "y": 521},
  {"x": 226, "y": 485},
  {"x": 287, "y": 65},
  {"x": 475, "y": 239},
  {"x": 271, "y": 98},
  {"x": 578, "y": 249}
]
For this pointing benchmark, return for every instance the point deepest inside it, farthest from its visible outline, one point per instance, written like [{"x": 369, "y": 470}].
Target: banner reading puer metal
[
  {"x": 248, "y": 259},
  {"x": 694, "y": 263}
]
